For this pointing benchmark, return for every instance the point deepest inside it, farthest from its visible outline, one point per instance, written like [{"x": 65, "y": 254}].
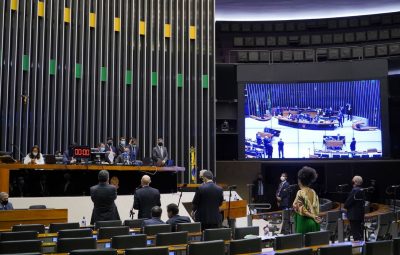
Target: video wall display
[{"x": 335, "y": 119}]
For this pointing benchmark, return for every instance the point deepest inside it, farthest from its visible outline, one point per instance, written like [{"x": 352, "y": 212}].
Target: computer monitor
[{"x": 97, "y": 156}]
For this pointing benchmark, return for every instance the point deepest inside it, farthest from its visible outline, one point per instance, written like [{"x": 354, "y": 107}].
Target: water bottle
[
  {"x": 83, "y": 222},
  {"x": 235, "y": 198}
]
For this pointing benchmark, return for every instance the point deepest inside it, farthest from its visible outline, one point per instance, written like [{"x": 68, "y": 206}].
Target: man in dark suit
[
  {"x": 145, "y": 198},
  {"x": 206, "y": 203},
  {"x": 160, "y": 153},
  {"x": 174, "y": 217},
  {"x": 134, "y": 148},
  {"x": 355, "y": 209},
  {"x": 282, "y": 194},
  {"x": 155, "y": 219},
  {"x": 103, "y": 196},
  {"x": 258, "y": 194},
  {"x": 353, "y": 145},
  {"x": 281, "y": 144},
  {"x": 67, "y": 155},
  {"x": 121, "y": 145}
]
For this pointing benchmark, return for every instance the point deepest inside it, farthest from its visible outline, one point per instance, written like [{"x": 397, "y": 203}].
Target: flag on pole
[{"x": 193, "y": 165}]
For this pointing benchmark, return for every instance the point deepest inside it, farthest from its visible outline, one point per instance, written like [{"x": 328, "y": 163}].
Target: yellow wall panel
[
  {"x": 14, "y": 5},
  {"x": 167, "y": 30},
  {"x": 142, "y": 28},
  {"x": 92, "y": 19},
  {"x": 117, "y": 24},
  {"x": 41, "y": 9},
  {"x": 192, "y": 32},
  {"x": 67, "y": 15}
]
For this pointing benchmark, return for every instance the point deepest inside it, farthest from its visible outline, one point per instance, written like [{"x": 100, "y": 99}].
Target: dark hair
[
  {"x": 173, "y": 208},
  {"x": 307, "y": 176},
  {"x": 285, "y": 174},
  {"x": 103, "y": 176},
  {"x": 31, "y": 153},
  {"x": 156, "y": 211},
  {"x": 208, "y": 174}
]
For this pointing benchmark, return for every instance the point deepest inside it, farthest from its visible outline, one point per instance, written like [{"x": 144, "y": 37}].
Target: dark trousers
[
  {"x": 356, "y": 229},
  {"x": 280, "y": 151}
]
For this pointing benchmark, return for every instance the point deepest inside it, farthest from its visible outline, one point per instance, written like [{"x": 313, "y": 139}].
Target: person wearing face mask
[
  {"x": 67, "y": 155},
  {"x": 111, "y": 150},
  {"x": 34, "y": 157},
  {"x": 134, "y": 149},
  {"x": 355, "y": 209},
  {"x": 125, "y": 157},
  {"x": 160, "y": 153},
  {"x": 282, "y": 193},
  {"x": 121, "y": 145},
  {"x": 5, "y": 204}
]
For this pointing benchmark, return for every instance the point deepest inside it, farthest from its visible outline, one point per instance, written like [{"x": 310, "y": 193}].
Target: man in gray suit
[
  {"x": 103, "y": 196},
  {"x": 160, "y": 153}
]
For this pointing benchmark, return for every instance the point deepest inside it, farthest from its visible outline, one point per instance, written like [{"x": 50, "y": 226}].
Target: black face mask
[
  {"x": 160, "y": 144},
  {"x": 4, "y": 202},
  {"x": 109, "y": 143}
]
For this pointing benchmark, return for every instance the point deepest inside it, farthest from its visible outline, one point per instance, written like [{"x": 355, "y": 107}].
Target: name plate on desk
[{"x": 10, "y": 218}]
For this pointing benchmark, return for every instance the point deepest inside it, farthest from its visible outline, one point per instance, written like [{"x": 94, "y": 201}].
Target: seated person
[
  {"x": 156, "y": 212},
  {"x": 5, "y": 204},
  {"x": 67, "y": 155},
  {"x": 124, "y": 157},
  {"x": 174, "y": 217},
  {"x": 101, "y": 147},
  {"x": 34, "y": 157}
]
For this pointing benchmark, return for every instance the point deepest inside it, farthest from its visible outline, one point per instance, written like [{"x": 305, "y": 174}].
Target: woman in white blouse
[{"x": 34, "y": 157}]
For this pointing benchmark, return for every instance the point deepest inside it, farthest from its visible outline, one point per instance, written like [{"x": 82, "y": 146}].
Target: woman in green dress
[{"x": 306, "y": 203}]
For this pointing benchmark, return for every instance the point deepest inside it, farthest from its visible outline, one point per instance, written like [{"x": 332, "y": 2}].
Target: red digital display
[{"x": 81, "y": 152}]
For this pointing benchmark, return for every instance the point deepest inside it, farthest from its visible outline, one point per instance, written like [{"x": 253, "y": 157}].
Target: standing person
[
  {"x": 134, "y": 148},
  {"x": 121, "y": 145},
  {"x": 34, "y": 157},
  {"x": 206, "y": 203},
  {"x": 306, "y": 203},
  {"x": 353, "y": 145},
  {"x": 103, "y": 196},
  {"x": 111, "y": 151},
  {"x": 282, "y": 194},
  {"x": 160, "y": 153},
  {"x": 5, "y": 204},
  {"x": 258, "y": 189},
  {"x": 174, "y": 217},
  {"x": 270, "y": 149},
  {"x": 280, "y": 148},
  {"x": 349, "y": 112},
  {"x": 145, "y": 198},
  {"x": 355, "y": 208}
]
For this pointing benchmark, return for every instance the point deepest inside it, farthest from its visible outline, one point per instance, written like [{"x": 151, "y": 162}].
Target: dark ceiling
[{"x": 247, "y": 10}]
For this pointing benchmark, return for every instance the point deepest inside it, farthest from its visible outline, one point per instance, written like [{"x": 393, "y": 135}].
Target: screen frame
[{"x": 314, "y": 72}]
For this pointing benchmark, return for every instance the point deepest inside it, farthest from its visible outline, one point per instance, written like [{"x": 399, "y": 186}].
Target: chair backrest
[
  {"x": 217, "y": 234},
  {"x": 304, "y": 251},
  {"x": 241, "y": 246},
  {"x": 174, "y": 238},
  {"x": 94, "y": 252},
  {"x": 147, "y": 251},
  {"x": 210, "y": 247},
  {"x": 107, "y": 223},
  {"x": 337, "y": 249},
  {"x": 65, "y": 245},
  {"x": 129, "y": 241},
  {"x": 379, "y": 247},
  {"x": 37, "y": 207},
  {"x": 75, "y": 233},
  {"x": 288, "y": 242},
  {"x": 152, "y": 230},
  {"x": 21, "y": 246},
  {"x": 396, "y": 246},
  {"x": 193, "y": 227},
  {"x": 16, "y": 236},
  {"x": 332, "y": 221},
  {"x": 108, "y": 232},
  {"x": 317, "y": 238},
  {"x": 384, "y": 221},
  {"x": 29, "y": 227},
  {"x": 55, "y": 227},
  {"x": 240, "y": 233},
  {"x": 136, "y": 223}
]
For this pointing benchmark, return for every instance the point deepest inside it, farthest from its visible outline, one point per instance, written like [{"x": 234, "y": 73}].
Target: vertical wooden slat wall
[{"x": 84, "y": 70}]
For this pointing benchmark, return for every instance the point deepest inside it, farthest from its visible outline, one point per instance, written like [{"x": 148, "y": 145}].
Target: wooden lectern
[
  {"x": 238, "y": 209},
  {"x": 10, "y": 218}
]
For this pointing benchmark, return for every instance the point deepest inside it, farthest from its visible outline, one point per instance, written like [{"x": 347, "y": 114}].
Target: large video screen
[{"x": 335, "y": 119}]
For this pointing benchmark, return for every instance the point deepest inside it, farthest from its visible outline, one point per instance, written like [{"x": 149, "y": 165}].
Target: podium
[
  {"x": 238, "y": 209},
  {"x": 10, "y": 218}
]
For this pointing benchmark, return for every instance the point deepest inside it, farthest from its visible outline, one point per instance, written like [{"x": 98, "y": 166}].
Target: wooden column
[{"x": 4, "y": 179}]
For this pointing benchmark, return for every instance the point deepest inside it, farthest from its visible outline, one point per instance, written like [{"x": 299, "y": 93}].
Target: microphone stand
[
  {"x": 229, "y": 207},
  {"x": 180, "y": 196}
]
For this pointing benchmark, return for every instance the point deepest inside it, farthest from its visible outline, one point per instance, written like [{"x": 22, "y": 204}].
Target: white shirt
[{"x": 39, "y": 161}]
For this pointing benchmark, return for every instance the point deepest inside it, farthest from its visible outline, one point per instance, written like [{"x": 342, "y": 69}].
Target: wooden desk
[
  {"x": 37, "y": 216},
  {"x": 6, "y": 168},
  {"x": 238, "y": 209}
]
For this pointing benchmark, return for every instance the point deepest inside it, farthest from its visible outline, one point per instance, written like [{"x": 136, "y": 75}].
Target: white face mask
[
  {"x": 34, "y": 153},
  {"x": 283, "y": 178}
]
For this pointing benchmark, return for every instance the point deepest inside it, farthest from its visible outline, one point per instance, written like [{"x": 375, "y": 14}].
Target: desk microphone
[
  {"x": 343, "y": 185},
  {"x": 232, "y": 187}
]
